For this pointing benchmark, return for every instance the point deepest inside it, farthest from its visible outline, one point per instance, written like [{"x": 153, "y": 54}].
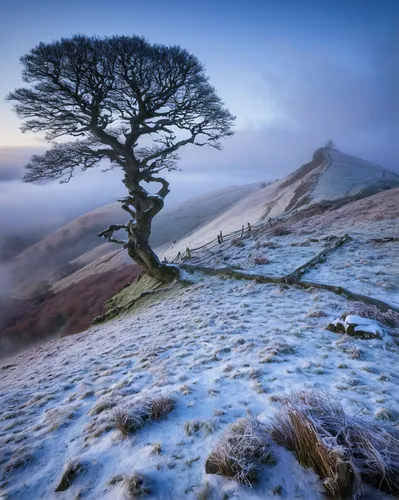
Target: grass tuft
[
  {"x": 72, "y": 469},
  {"x": 135, "y": 485},
  {"x": 344, "y": 451},
  {"x": 241, "y": 448},
  {"x": 204, "y": 492},
  {"x": 128, "y": 421},
  {"x": 160, "y": 407}
]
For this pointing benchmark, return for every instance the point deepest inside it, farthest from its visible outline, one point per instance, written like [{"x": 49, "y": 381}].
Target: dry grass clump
[
  {"x": 102, "y": 405},
  {"x": 193, "y": 426},
  {"x": 260, "y": 260},
  {"x": 236, "y": 242},
  {"x": 353, "y": 352},
  {"x": 161, "y": 406},
  {"x": 316, "y": 313},
  {"x": 128, "y": 421},
  {"x": 389, "y": 317},
  {"x": 185, "y": 390},
  {"x": 135, "y": 485},
  {"x": 241, "y": 448},
  {"x": 20, "y": 458},
  {"x": 73, "y": 468},
  {"x": 271, "y": 352},
  {"x": 346, "y": 345},
  {"x": 204, "y": 492},
  {"x": 344, "y": 451}
]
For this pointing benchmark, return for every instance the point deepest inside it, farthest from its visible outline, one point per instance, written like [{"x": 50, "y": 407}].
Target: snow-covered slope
[
  {"x": 222, "y": 349},
  {"x": 331, "y": 176},
  {"x": 347, "y": 176}
]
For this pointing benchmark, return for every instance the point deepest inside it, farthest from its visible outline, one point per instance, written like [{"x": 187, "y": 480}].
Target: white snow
[
  {"x": 221, "y": 348},
  {"x": 347, "y": 175}
]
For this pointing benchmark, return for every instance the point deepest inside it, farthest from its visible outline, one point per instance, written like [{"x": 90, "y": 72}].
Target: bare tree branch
[{"x": 124, "y": 101}]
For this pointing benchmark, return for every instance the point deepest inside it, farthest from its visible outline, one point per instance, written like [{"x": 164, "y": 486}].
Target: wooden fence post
[
  {"x": 188, "y": 253},
  {"x": 242, "y": 231},
  {"x": 249, "y": 228},
  {"x": 221, "y": 237}
]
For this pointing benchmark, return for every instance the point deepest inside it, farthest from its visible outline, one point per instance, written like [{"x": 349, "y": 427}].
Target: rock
[
  {"x": 70, "y": 472},
  {"x": 211, "y": 467},
  {"x": 336, "y": 326},
  {"x": 356, "y": 326},
  {"x": 364, "y": 328}
]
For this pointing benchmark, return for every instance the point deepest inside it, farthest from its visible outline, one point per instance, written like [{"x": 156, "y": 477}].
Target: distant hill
[{"x": 331, "y": 178}]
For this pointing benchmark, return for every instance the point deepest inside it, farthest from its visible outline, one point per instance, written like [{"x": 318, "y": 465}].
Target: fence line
[
  {"x": 245, "y": 231},
  {"x": 221, "y": 237}
]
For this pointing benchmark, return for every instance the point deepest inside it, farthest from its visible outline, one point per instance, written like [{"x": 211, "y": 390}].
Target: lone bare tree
[{"x": 126, "y": 101}]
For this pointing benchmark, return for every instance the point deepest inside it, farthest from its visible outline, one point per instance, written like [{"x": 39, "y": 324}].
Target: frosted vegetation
[{"x": 187, "y": 395}]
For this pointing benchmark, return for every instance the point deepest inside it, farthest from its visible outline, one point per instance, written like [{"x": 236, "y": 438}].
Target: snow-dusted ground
[{"x": 222, "y": 348}]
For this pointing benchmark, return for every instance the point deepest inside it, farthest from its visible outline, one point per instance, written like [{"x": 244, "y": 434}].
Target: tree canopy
[{"x": 123, "y": 100}]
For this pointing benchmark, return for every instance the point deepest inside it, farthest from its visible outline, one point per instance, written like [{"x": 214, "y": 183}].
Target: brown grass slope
[{"x": 70, "y": 310}]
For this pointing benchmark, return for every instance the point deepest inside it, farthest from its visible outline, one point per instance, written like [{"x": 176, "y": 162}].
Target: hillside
[
  {"x": 78, "y": 242},
  {"x": 74, "y": 252},
  {"x": 155, "y": 398},
  {"x": 329, "y": 180},
  {"x": 73, "y": 262},
  {"x": 27, "y": 322}
]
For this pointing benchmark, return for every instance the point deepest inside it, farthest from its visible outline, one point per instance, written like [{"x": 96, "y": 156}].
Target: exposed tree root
[
  {"x": 235, "y": 273},
  {"x": 259, "y": 278},
  {"x": 318, "y": 258},
  {"x": 388, "y": 239},
  {"x": 339, "y": 290}
]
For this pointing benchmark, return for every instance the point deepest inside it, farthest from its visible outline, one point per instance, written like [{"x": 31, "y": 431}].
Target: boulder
[
  {"x": 356, "y": 326},
  {"x": 211, "y": 467}
]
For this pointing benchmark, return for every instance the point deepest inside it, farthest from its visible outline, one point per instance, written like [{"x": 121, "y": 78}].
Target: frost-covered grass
[
  {"x": 347, "y": 452},
  {"x": 217, "y": 351}
]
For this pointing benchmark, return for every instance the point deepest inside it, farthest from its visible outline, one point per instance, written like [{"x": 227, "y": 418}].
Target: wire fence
[{"x": 245, "y": 232}]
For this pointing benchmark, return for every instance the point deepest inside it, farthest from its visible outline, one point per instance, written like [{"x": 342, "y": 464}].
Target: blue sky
[
  {"x": 245, "y": 45},
  {"x": 295, "y": 72}
]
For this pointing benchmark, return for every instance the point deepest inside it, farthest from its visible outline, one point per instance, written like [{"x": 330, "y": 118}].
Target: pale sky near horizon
[{"x": 295, "y": 72}]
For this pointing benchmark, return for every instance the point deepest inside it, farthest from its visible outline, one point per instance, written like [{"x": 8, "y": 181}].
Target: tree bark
[
  {"x": 146, "y": 207},
  {"x": 140, "y": 251}
]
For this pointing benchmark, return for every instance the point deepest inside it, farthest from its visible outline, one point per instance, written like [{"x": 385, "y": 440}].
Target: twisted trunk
[
  {"x": 141, "y": 252},
  {"x": 146, "y": 207}
]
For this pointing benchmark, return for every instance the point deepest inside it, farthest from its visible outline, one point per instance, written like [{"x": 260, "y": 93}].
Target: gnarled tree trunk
[{"x": 143, "y": 207}]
